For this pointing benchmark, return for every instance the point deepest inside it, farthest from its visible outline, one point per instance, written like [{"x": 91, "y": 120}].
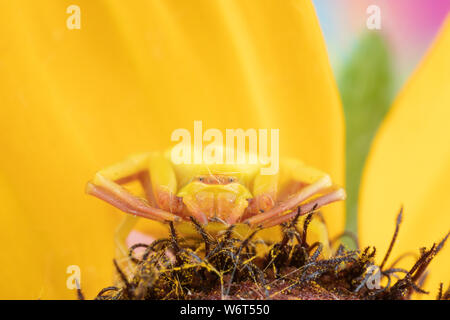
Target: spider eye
[
  {"x": 230, "y": 180},
  {"x": 201, "y": 179}
]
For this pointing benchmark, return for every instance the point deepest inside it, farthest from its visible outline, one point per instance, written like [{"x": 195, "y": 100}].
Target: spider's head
[{"x": 215, "y": 197}]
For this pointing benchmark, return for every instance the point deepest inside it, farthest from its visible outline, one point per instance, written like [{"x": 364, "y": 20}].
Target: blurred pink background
[{"x": 408, "y": 25}]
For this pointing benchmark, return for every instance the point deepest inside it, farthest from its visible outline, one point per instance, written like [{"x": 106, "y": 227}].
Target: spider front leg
[
  {"x": 300, "y": 190},
  {"x": 329, "y": 195},
  {"x": 107, "y": 185},
  {"x": 304, "y": 187}
]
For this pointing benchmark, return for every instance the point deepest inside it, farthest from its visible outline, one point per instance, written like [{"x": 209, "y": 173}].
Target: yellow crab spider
[{"x": 214, "y": 194}]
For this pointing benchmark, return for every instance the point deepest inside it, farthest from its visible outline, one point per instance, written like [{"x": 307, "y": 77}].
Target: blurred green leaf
[{"x": 366, "y": 86}]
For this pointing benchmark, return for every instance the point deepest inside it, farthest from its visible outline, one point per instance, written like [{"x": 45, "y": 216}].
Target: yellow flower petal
[
  {"x": 74, "y": 101},
  {"x": 409, "y": 165}
]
